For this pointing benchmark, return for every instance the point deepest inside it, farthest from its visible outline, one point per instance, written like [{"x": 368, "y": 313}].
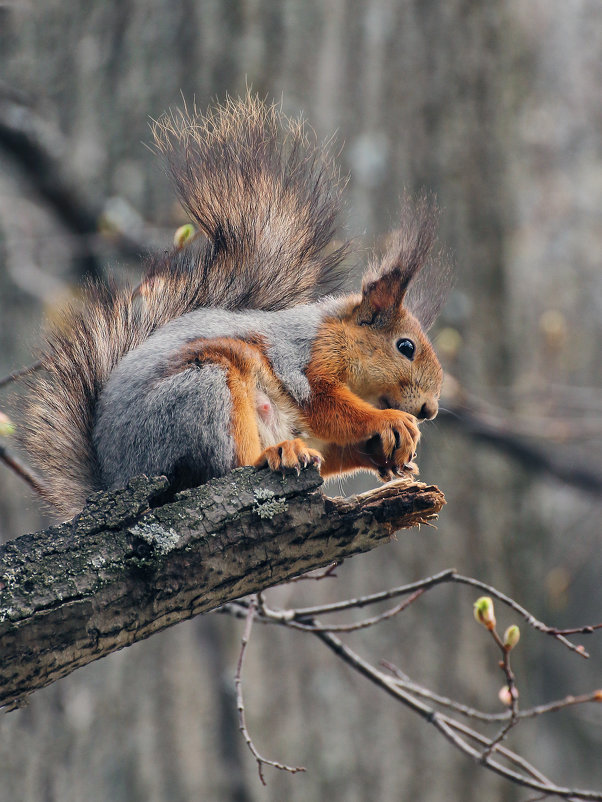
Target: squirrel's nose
[{"x": 428, "y": 410}]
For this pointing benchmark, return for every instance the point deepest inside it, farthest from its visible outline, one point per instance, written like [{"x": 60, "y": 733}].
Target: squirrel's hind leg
[
  {"x": 243, "y": 422},
  {"x": 240, "y": 363},
  {"x": 263, "y": 420}
]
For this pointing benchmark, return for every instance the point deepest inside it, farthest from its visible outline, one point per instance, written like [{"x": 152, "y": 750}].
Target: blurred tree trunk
[{"x": 495, "y": 107}]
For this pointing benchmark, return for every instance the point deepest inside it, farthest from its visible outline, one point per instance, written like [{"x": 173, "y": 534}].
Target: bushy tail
[{"x": 265, "y": 197}]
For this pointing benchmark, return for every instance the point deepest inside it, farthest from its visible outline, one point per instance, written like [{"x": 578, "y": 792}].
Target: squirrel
[{"x": 233, "y": 350}]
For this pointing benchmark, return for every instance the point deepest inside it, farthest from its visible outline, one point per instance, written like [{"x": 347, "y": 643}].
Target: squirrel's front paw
[
  {"x": 289, "y": 455},
  {"x": 394, "y": 446}
]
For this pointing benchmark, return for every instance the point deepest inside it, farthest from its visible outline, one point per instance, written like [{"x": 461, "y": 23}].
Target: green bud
[
  {"x": 7, "y": 427},
  {"x": 484, "y": 612},
  {"x": 511, "y": 637},
  {"x": 183, "y": 235}
]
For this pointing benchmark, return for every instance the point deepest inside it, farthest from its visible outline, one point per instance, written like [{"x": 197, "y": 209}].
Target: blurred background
[{"x": 497, "y": 108}]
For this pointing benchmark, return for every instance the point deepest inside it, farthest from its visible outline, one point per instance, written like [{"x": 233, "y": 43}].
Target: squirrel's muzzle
[{"x": 428, "y": 410}]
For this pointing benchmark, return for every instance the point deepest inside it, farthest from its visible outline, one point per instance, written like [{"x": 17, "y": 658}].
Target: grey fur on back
[
  {"x": 173, "y": 426},
  {"x": 150, "y": 420}
]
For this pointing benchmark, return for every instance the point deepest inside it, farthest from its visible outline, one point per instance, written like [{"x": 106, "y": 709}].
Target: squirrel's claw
[
  {"x": 388, "y": 473},
  {"x": 289, "y": 455}
]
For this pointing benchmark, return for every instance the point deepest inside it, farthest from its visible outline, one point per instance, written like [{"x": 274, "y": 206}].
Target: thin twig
[
  {"x": 261, "y": 761},
  {"x": 512, "y": 692},
  {"x": 449, "y": 575},
  {"x": 471, "y": 422},
  {"x": 508, "y": 754},
  {"x": 452, "y": 730},
  {"x": 15, "y": 464},
  {"x": 41, "y": 152},
  {"x": 315, "y": 576},
  {"x": 529, "y": 618},
  {"x": 419, "y": 690},
  {"x": 448, "y": 728},
  {"x": 480, "y": 715},
  {"x": 374, "y": 598},
  {"x": 19, "y": 374},
  {"x": 586, "y": 630},
  {"x": 561, "y": 704},
  {"x": 367, "y": 622}
]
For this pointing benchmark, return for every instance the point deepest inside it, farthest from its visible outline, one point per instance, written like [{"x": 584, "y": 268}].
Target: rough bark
[{"x": 135, "y": 561}]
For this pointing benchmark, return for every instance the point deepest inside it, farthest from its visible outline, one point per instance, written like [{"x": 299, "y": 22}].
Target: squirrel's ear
[
  {"x": 386, "y": 282},
  {"x": 381, "y": 297}
]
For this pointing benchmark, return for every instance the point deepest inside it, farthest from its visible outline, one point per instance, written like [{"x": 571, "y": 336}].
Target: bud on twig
[
  {"x": 184, "y": 234},
  {"x": 484, "y": 612},
  {"x": 507, "y": 696},
  {"x": 7, "y": 427},
  {"x": 511, "y": 637}
]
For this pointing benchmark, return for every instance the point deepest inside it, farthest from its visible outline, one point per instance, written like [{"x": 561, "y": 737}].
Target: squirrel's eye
[{"x": 407, "y": 348}]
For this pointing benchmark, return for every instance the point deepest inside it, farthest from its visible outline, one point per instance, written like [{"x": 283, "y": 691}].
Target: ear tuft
[
  {"x": 428, "y": 293},
  {"x": 391, "y": 277}
]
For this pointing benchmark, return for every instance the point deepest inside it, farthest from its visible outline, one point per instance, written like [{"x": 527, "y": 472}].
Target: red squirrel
[{"x": 231, "y": 351}]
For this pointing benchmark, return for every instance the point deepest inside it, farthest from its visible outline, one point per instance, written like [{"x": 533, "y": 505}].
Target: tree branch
[
  {"x": 450, "y": 728},
  {"x": 569, "y": 469},
  {"x": 410, "y": 694},
  {"x": 240, "y": 705},
  {"x": 41, "y": 152},
  {"x": 138, "y": 560},
  {"x": 19, "y": 374},
  {"x": 17, "y": 465}
]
